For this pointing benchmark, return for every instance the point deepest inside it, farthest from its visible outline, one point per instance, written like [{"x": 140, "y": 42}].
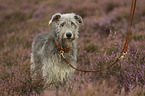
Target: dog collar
[{"x": 62, "y": 49}]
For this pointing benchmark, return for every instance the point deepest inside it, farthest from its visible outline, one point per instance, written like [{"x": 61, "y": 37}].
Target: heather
[{"x": 100, "y": 42}]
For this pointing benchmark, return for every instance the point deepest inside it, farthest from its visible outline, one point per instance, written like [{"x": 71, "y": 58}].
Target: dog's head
[{"x": 66, "y": 26}]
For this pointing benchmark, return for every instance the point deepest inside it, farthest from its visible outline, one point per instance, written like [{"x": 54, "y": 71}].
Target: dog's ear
[
  {"x": 79, "y": 19},
  {"x": 55, "y": 18}
]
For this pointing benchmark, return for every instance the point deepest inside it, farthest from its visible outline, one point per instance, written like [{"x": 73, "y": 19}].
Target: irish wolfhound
[{"x": 45, "y": 50}]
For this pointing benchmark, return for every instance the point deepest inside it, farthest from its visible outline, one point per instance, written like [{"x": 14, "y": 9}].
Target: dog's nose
[{"x": 68, "y": 35}]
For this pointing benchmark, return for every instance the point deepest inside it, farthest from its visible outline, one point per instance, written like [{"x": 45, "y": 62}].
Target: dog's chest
[{"x": 56, "y": 68}]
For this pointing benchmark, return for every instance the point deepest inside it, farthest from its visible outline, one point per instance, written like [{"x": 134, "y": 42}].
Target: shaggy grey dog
[{"x": 46, "y": 57}]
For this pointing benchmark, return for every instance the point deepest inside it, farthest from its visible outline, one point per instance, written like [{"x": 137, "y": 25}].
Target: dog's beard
[{"x": 67, "y": 43}]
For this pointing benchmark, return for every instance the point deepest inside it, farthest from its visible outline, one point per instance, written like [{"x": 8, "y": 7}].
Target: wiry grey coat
[{"x": 46, "y": 57}]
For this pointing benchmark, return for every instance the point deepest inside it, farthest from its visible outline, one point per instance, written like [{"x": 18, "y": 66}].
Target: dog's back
[{"x": 36, "y": 50}]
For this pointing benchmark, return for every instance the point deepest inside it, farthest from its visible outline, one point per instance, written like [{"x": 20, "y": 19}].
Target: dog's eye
[
  {"x": 72, "y": 24},
  {"x": 62, "y": 24}
]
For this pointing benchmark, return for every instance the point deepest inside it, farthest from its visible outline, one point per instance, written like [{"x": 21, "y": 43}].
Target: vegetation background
[{"x": 100, "y": 42}]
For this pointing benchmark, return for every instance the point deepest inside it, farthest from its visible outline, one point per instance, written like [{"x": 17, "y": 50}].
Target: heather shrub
[
  {"x": 132, "y": 69},
  {"x": 100, "y": 42}
]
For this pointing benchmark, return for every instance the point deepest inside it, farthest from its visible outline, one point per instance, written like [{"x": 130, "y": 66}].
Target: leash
[
  {"x": 123, "y": 52},
  {"x": 62, "y": 49}
]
